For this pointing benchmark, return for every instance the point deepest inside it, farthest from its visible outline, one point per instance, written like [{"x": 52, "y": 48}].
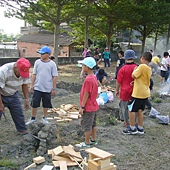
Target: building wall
[{"x": 30, "y": 49}]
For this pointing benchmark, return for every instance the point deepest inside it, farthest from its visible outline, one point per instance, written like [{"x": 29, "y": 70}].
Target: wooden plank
[
  {"x": 50, "y": 118},
  {"x": 33, "y": 165},
  {"x": 50, "y": 152},
  {"x": 47, "y": 167},
  {"x": 70, "y": 151},
  {"x": 57, "y": 164},
  {"x": 99, "y": 153},
  {"x": 104, "y": 163},
  {"x": 64, "y": 120},
  {"x": 38, "y": 159},
  {"x": 63, "y": 165},
  {"x": 92, "y": 165},
  {"x": 58, "y": 150},
  {"x": 58, "y": 118},
  {"x": 75, "y": 159},
  {"x": 61, "y": 158},
  {"x": 73, "y": 116},
  {"x": 67, "y": 107}
]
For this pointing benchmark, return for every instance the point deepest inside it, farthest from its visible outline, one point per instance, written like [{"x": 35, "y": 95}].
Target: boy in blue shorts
[
  {"x": 43, "y": 83},
  {"x": 88, "y": 103},
  {"x": 140, "y": 94}
]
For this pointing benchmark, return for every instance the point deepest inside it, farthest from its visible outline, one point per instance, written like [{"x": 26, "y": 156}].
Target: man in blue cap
[{"x": 43, "y": 84}]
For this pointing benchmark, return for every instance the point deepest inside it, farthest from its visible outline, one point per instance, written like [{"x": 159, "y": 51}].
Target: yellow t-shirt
[
  {"x": 142, "y": 77},
  {"x": 155, "y": 59}
]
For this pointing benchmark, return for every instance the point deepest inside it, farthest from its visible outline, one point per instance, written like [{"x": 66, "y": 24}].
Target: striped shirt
[{"x": 9, "y": 83}]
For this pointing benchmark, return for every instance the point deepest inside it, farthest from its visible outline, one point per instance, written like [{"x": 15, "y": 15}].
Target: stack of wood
[
  {"x": 99, "y": 160},
  {"x": 107, "y": 88},
  {"x": 66, "y": 113},
  {"x": 65, "y": 156}
]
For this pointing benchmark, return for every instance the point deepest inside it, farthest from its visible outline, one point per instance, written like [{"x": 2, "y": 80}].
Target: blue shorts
[
  {"x": 136, "y": 104},
  {"x": 36, "y": 99}
]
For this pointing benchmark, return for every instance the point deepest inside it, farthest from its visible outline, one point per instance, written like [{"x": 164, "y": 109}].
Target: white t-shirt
[
  {"x": 45, "y": 71},
  {"x": 9, "y": 83},
  {"x": 165, "y": 63}
]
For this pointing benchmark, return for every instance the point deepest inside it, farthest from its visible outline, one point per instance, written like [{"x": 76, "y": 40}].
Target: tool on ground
[{"x": 3, "y": 113}]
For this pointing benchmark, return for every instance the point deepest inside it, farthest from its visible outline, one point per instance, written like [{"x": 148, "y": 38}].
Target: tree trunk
[
  {"x": 143, "y": 39},
  {"x": 167, "y": 40},
  {"x": 155, "y": 41},
  {"x": 86, "y": 32},
  {"x": 130, "y": 37},
  {"x": 57, "y": 34}
]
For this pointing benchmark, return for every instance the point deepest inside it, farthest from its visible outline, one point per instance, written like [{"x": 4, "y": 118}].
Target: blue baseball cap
[
  {"x": 89, "y": 62},
  {"x": 44, "y": 49},
  {"x": 129, "y": 54}
]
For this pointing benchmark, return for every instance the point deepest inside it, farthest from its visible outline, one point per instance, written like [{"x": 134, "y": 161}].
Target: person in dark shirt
[
  {"x": 120, "y": 62},
  {"x": 101, "y": 77}
]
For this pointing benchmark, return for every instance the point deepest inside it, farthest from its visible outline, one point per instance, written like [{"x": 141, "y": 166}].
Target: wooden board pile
[
  {"x": 66, "y": 113},
  {"x": 107, "y": 88},
  {"x": 62, "y": 157},
  {"x": 99, "y": 160}
]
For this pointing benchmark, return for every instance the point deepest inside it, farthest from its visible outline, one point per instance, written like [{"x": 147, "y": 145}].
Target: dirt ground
[{"x": 140, "y": 152}]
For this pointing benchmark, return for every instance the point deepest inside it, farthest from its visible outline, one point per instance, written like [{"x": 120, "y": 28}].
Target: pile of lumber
[
  {"x": 66, "y": 113},
  {"x": 107, "y": 88},
  {"x": 62, "y": 157}
]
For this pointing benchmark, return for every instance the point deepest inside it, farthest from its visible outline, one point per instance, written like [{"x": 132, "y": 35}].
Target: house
[{"x": 28, "y": 44}]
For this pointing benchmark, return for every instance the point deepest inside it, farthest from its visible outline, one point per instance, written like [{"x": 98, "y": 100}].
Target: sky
[{"x": 10, "y": 25}]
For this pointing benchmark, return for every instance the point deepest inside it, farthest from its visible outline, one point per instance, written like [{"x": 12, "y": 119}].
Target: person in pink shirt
[{"x": 88, "y": 104}]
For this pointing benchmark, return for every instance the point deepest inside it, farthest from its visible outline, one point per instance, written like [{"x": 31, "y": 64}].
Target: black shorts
[
  {"x": 163, "y": 73},
  {"x": 36, "y": 99},
  {"x": 135, "y": 104},
  {"x": 88, "y": 121}
]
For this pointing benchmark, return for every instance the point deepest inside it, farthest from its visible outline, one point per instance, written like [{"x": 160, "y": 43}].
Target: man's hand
[
  {"x": 53, "y": 92},
  {"x": 31, "y": 89},
  {"x": 2, "y": 108},
  {"x": 26, "y": 104},
  {"x": 117, "y": 93},
  {"x": 81, "y": 110}
]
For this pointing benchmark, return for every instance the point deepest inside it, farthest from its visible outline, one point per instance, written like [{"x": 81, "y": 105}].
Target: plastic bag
[
  {"x": 104, "y": 96},
  {"x": 100, "y": 101},
  {"x": 110, "y": 95},
  {"x": 163, "y": 119},
  {"x": 153, "y": 113}
]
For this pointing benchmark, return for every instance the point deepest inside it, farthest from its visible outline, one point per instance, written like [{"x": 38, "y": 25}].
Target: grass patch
[{"x": 8, "y": 163}]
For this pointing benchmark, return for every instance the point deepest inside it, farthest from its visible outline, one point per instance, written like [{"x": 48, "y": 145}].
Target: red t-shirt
[
  {"x": 124, "y": 78},
  {"x": 90, "y": 85}
]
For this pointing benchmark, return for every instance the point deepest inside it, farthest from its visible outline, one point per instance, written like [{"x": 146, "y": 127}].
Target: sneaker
[
  {"x": 45, "y": 121},
  {"x": 93, "y": 142},
  {"x": 129, "y": 131},
  {"x": 83, "y": 145},
  {"x": 31, "y": 121},
  {"x": 141, "y": 131}
]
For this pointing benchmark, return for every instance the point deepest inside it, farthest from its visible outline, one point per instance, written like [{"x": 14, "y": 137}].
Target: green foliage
[
  {"x": 8, "y": 38},
  {"x": 8, "y": 163}
]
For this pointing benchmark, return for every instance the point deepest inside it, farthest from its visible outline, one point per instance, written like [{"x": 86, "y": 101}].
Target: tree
[{"x": 41, "y": 12}]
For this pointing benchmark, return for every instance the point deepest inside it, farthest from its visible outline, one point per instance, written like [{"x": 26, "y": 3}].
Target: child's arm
[
  {"x": 85, "y": 97},
  {"x": 32, "y": 82},
  {"x": 117, "y": 89},
  {"x": 53, "y": 91}
]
